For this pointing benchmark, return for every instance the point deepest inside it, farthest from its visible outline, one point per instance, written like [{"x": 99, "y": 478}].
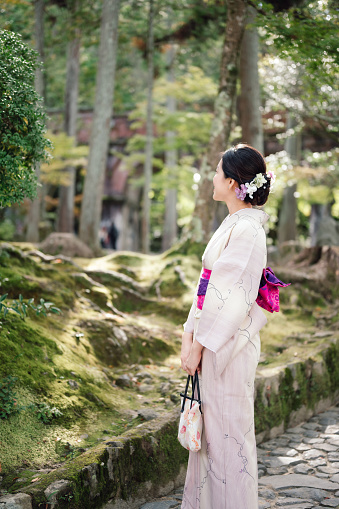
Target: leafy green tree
[
  {"x": 22, "y": 121},
  {"x": 193, "y": 92},
  {"x": 301, "y": 60},
  {"x": 64, "y": 155}
]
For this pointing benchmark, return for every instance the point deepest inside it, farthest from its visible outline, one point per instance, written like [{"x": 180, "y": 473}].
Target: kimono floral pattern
[{"x": 223, "y": 474}]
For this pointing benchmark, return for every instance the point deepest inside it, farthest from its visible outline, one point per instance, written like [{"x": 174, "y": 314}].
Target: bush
[{"x": 22, "y": 121}]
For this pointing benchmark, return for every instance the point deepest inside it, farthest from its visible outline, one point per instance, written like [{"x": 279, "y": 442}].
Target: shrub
[
  {"x": 22, "y": 121},
  {"x": 46, "y": 413}
]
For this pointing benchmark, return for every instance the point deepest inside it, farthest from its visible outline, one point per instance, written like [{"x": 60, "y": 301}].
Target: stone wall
[{"x": 289, "y": 395}]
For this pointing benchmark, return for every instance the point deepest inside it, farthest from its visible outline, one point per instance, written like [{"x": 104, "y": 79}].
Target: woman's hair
[{"x": 242, "y": 163}]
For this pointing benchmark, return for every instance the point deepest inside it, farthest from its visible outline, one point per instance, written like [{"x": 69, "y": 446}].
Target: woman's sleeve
[
  {"x": 189, "y": 324},
  {"x": 233, "y": 286}
]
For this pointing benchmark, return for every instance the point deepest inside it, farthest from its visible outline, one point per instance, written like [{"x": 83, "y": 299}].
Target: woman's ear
[{"x": 232, "y": 184}]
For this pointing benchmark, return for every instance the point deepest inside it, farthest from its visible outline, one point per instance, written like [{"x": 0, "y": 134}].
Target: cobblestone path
[{"x": 297, "y": 470}]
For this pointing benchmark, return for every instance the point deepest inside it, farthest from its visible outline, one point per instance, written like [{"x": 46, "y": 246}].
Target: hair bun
[{"x": 244, "y": 163}]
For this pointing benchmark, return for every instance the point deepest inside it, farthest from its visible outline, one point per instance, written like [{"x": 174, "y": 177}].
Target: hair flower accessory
[
  {"x": 259, "y": 180},
  {"x": 251, "y": 187},
  {"x": 272, "y": 176},
  {"x": 241, "y": 192}
]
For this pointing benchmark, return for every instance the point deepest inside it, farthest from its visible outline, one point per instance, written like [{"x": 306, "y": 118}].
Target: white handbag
[{"x": 190, "y": 424}]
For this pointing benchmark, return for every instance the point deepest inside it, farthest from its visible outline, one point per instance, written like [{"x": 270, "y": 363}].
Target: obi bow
[{"x": 268, "y": 295}]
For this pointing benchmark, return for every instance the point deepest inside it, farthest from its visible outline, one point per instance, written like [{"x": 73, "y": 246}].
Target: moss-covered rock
[{"x": 119, "y": 468}]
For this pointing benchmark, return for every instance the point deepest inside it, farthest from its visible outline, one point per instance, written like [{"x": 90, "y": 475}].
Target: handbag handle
[
  {"x": 195, "y": 384},
  {"x": 196, "y": 380}
]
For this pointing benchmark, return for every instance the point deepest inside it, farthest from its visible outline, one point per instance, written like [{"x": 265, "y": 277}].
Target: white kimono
[{"x": 223, "y": 475}]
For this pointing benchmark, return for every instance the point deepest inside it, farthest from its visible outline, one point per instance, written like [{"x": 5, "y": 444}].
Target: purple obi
[
  {"x": 268, "y": 295},
  {"x": 203, "y": 283}
]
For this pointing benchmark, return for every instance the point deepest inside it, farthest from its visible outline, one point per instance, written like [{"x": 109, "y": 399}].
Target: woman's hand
[
  {"x": 186, "y": 345},
  {"x": 194, "y": 358}
]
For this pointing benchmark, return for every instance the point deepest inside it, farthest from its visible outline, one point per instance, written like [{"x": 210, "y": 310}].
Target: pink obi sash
[
  {"x": 203, "y": 283},
  {"x": 268, "y": 295}
]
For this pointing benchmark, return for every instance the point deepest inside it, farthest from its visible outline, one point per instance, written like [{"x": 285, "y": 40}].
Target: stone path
[{"x": 297, "y": 470}]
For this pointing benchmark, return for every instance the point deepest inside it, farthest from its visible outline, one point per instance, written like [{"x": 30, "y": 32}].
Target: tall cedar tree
[
  {"x": 93, "y": 188},
  {"x": 67, "y": 193},
  {"x": 32, "y": 233},
  {"x": 149, "y": 134},
  {"x": 222, "y": 123}
]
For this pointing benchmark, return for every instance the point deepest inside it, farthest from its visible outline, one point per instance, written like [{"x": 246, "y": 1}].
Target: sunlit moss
[{"x": 72, "y": 361}]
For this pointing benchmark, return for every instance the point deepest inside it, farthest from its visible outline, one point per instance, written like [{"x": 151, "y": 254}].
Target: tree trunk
[
  {"x": 249, "y": 102},
  {"x": 287, "y": 229},
  {"x": 93, "y": 188},
  {"x": 149, "y": 135},
  {"x": 130, "y": 240},
  {"x": 66, "y": 193},
  {"x": 33, "y": 219},
  {"x": 323, "y": 228},
  {"x": 222, "y": 122},
  {"x": 170, "y": 221}
]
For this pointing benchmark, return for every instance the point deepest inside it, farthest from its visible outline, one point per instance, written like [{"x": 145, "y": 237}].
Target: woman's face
[{"x": 220, "y": 184}]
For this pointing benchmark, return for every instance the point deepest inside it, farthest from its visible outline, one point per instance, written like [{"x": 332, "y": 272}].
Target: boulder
[
  {"x": 17, "y": 501},
  {"x": 66, "y": 244},
  {"x": 57, "y": 490},
  {"x": 124, "y": 381}
]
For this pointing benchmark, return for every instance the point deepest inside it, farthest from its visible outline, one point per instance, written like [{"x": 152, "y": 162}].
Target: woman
[{"x": 221, "y": 338}]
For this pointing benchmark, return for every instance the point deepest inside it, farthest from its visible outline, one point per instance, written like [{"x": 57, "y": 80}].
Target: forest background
[
  {"x": 139, "y": 99},
  {"x": 184, "y": 80}
]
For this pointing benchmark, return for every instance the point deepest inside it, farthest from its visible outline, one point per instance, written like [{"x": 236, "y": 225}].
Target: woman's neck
[{"x": 237, "y": 205}]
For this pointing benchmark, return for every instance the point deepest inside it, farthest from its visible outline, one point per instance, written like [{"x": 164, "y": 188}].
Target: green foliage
[
  {"x": 7, "y": 230},
  {"x": 8, "y": 402},
  {"x": 45, "y": 413},
  {"x": 300, "y": 62},
  {"x": 64, "y": 154},
  {"x": 193, "y": 27},
  {"x": 67, "y": 451},
  {"x": 21, "y": 308},
  {"x": 331, "y": 359},
  {"x": 194, "y": 93},
  {"x": 22, "y": 121},
  {"x": 307, "y": 33},
  {"x": 44, "y": 307},
  {"x": 316, "y": 178}
]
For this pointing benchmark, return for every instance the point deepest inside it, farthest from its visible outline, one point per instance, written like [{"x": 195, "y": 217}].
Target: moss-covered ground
[{"x": 114, "y": 349}]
